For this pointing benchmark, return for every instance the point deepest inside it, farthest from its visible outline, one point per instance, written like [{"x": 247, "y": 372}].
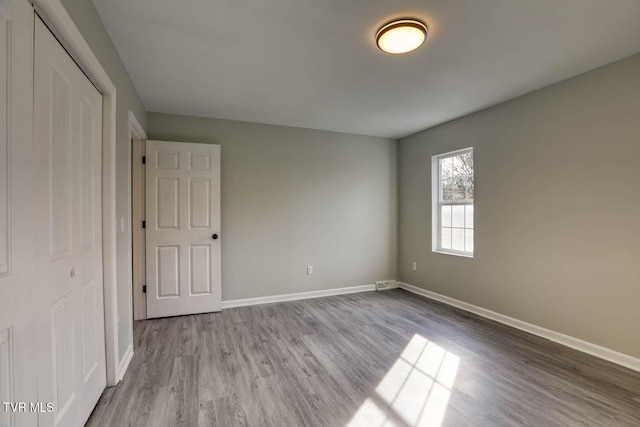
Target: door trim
[
  {"x": 56, "y": 16},
  {"x": 137, "y": 207}
]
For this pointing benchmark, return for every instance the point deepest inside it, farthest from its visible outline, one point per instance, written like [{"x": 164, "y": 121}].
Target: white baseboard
[
  {"x": 296, "y": 296},
  {"x": 124, "y": 363},
  {"x": 575, "y": 343}
]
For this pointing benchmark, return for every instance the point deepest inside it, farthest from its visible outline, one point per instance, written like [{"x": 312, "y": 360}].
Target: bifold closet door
[
  {"x": 68, "y": 235},
  {"x": 17, "y": 353}
]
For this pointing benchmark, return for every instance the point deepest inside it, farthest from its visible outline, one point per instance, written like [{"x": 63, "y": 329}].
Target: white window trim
[{"x": 436, "y": 203}]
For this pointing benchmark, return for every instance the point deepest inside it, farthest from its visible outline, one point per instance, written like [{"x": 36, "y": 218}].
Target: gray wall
[
  {"x": 86, "y": 18},
  {"x": 294, "y": 197},
  {"x": 557, "y": 240}
]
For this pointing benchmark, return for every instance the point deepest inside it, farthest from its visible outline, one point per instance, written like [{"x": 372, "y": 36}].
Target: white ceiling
[{"x": 314, "y": 63}]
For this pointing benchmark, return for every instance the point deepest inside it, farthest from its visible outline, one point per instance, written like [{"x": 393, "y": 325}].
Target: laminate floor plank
[{"x": 369, "y": 359}]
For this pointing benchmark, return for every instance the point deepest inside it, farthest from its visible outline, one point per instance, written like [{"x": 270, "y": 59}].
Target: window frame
[{"x": 437, "y": 203}]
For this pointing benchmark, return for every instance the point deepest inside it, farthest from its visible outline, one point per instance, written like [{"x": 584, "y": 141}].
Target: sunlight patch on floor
[{"x": 415, "y": 391}]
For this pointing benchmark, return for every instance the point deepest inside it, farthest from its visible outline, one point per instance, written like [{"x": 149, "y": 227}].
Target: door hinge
[
  {"x": 144, "y": 160},
  {"x": 144, "y": 289},
  {"x": 144, "y": 224}
]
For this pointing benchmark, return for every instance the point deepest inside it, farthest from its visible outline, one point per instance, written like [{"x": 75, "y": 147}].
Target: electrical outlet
[
  {"x": 309, "y": 270},
  {"x": 414, "y": 266}
]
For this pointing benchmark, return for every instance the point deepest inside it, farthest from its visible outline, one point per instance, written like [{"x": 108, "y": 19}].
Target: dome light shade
[{"x": 401, "y": 36}]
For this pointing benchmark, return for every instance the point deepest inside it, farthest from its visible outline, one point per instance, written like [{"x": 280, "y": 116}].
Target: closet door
[
  {"x": 17, "y": 360},
  {"x": 69, "y": 289}
]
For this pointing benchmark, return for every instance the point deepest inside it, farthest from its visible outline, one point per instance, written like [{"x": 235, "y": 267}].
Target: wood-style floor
[{"x": 373, "y": 358}]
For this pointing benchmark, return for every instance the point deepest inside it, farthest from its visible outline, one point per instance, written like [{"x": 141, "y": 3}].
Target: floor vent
[{"x": 386, "y": 284}]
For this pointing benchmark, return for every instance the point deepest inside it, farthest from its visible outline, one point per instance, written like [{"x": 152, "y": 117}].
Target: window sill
[{"x": 454, "y": 254}]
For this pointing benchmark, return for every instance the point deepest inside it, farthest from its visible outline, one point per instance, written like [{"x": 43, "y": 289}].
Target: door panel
[
  {"x": 200, "y": 269},
  {"x": 87, "y": 175},
  {"x": 183, "y": 212},
  {"x": 199, "y": 204},
  {"x": 6, "y": 375},
  {"x": 68, "y": 256},
  {"x": 90, "y": 322},
  {"x": 167, "y": 196},
  {"x": 63, "y": 353},
  {"x": 168, "y": 265},
  {"x": 5, "y": 108},
  {"x": 59, "y": 194}
]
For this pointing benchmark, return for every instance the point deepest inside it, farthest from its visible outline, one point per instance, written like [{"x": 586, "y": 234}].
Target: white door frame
[
  {"x": 138, "y": 138},
  {"x": 57, "y": 18}
]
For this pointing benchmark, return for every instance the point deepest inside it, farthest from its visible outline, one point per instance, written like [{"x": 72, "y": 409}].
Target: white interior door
[
  {"x": 17, "y": 353},
  {"x": 182, "y": 228},
  {"x": 68, "y": 255}
]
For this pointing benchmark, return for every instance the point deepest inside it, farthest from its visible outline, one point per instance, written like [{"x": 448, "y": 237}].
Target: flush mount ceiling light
[{"x": 401, "y": 36}]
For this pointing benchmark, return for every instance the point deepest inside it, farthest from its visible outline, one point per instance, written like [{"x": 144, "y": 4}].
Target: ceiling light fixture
[{"x": 401, "y": 36}]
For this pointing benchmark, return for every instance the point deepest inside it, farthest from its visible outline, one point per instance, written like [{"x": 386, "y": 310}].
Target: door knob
[
  {"x": 74, "y": 272},
  {"x": 215, "y": 237}
]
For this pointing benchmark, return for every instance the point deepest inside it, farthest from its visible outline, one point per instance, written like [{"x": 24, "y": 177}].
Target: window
[{"x": 453, "y": 202}]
